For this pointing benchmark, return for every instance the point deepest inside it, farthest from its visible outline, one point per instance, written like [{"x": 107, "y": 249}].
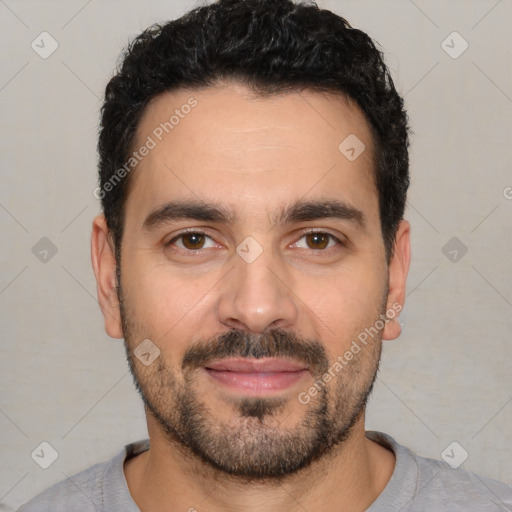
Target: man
[{"x": 253, "y": 255}]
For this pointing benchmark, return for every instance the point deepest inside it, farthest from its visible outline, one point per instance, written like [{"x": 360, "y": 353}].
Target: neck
[{"x": 167, "y": 477}]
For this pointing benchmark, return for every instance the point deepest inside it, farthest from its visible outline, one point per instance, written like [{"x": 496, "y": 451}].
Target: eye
[
  {"x": 192, "y": 240},
  {"x": 318, "y": 240}
]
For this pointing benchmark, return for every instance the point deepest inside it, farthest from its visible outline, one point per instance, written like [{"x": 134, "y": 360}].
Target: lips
[
  {"x": 256, "y": 365},
  {"x": 256, "y": 376}
]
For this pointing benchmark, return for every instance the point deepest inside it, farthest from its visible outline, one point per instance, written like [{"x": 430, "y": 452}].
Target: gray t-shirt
[{"x": 417, "y": 484}]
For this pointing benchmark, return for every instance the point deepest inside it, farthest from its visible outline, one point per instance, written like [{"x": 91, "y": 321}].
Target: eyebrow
[{"x": 299, "y": 211}]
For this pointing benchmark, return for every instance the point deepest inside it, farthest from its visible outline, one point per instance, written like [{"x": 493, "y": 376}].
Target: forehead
[{"x": 226, "y": 144}]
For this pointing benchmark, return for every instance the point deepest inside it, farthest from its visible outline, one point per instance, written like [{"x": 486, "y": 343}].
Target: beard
[{"x": 254, "y": 444}]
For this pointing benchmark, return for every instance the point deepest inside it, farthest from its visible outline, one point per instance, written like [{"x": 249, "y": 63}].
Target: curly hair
[{"x": 273, "y": 47}]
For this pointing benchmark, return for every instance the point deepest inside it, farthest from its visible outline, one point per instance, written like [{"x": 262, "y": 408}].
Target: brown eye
[
  {"x": 193, "y": 240},
  {"x": 317, "y": 240}
]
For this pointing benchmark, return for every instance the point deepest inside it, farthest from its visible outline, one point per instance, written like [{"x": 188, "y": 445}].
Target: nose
[{"x": 257, "y": 296}]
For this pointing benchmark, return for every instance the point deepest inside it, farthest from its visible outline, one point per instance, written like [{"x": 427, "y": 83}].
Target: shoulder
[
  {"x": 466, "y": 490},
  {"x": 78, "y": 492},
  {"x": 421, "y": 483},
  {"x": 101, "y": 487}
]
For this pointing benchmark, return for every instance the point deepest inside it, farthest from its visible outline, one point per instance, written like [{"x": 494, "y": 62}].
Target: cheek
[
  {"x": 167, "y": 301},
  {"x": 347, "y": 301}
]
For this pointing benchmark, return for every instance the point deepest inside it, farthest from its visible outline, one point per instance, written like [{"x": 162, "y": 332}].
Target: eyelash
[{"x": 200, "y": 231}]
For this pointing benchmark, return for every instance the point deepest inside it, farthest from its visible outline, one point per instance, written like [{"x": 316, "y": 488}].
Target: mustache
[{"x": 274, "y": 343}]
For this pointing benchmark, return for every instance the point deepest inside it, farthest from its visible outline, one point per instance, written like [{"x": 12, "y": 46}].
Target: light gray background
[{"x": 446, "y": 379}]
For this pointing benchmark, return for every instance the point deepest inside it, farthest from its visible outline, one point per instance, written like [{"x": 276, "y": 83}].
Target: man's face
[{"x": 249, "y": 311}]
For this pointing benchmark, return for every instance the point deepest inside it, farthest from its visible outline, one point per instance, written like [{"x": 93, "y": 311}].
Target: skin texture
[{"x": 253, "y": 156}]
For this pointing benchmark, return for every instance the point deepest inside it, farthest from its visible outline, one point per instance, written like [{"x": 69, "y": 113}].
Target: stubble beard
[{"x": 253, "y": 445}]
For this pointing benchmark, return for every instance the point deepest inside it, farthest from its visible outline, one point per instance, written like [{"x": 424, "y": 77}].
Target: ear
[
  {"x": 104, "y": 265},
  {"x": 397, "y": 276}
]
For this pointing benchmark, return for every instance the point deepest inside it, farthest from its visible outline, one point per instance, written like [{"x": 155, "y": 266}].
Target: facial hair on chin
[{"x": 254, "y": 447}]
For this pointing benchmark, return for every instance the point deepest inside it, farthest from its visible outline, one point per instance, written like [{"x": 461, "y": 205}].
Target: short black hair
[{"x": 273, "y": 47}]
